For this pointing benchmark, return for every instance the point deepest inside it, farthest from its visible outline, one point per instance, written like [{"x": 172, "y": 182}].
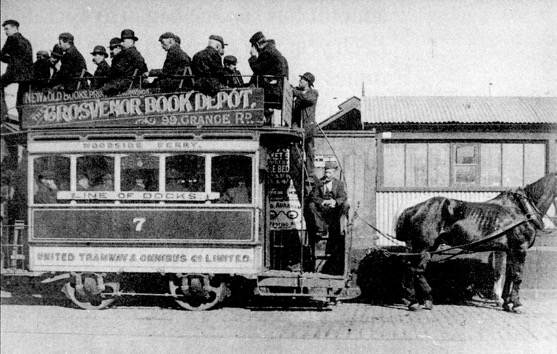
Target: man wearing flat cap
[
  {"x": 175, "y": 63},
  {"x": 303, "y": 115},
  {"x": 233, "y": 76},
  {"x": 18, "y": 54},
  {"x": 72, "y": 67},
  {"x": 103, "y": 69},
  {"x": 133, "y": 58},
  {"x": 267, "y": 60},
  {"x": 207, "y": 67},
  {"x": 41, "y": 70}
]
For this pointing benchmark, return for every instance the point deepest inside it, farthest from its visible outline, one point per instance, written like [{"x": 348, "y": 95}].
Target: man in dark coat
[
  {"x": 41, "y": 70},
  {"x": 133, "y": 58},
  {"x": 54, "y": 62},
  {"x": 72, "y": 66},
  {"x": 18, "y": 54},
  {"x": 327, "y": 203},
  {"x": 120, "y": 77},
  {"x": 303, "y": 115},
  {"x": 233, "y": 76},
  {"x": 103, "y": 69},
  {"x": 267, "y": 60},
  {"x": 175, "y": 64},
  {"x": 47, "y": 189},
  {"x": 207, "y": 66}
]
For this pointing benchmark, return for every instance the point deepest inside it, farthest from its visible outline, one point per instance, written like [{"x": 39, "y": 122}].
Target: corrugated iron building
[{"x": 396, "y": 151}]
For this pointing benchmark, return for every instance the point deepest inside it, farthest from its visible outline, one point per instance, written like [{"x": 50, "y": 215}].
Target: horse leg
[
  {"x": 498, "y": 263},
  {"x": 415, "y": 283},
  {"x": 515, "y": 266}
]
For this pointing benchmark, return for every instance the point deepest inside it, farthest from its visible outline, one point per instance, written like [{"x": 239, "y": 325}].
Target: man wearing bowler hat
[
  {"x": 103, "y": 69},
  {"x": 134, "y": 59},
  {"x": 303, "y": 115},
  {"x": 233, "y": 76},
  {"x": 72, "y": 66},
  {"x": 175, "y": 64},
  {"x": 207, "y": 66},
  {"x": 267, "y": 60}
]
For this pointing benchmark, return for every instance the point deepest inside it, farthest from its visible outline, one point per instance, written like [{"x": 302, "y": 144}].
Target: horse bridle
[{"x": 525, "y": 201}]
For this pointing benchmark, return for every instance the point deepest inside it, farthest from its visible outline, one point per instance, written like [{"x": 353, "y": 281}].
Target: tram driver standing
[{"x": 327, "y": 203}]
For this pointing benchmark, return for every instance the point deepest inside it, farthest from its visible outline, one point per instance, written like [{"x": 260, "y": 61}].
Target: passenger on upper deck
[
  {"x": 119, "y": 81},
  {"x": 267, "y": 60},
  {"x": 207, "y": 66},
  {"x": 47, "y": 189},
  {"x": 72, "y": 65},
  {"x": 41, "y": 70},
  {"x": 18, "y": 54},
  {"x": 175, "y": 64},
  {"x": 234, "y": 76},
  {"x": 103, "y": 69},
  {"x": 55, "y": 56},
  {"x": 303, "y": 115},
  {"x": 134, "y": 60}
]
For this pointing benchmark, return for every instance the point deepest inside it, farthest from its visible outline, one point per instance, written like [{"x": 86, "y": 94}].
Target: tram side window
[
  {"x": 140, "y": 172},
  {"x": 231, "y": 176},
  {"x": 95, "y": 173},
  {"x": 51, "y": 174},
  {"x": 185, "y": 173}
]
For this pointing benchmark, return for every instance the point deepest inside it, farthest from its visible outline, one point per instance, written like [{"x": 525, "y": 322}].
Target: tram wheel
[
  {"x": 197, "y": 293},
  {"x": 90, "y": 297}
]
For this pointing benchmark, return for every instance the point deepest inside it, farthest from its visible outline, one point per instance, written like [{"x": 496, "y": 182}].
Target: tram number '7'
[{"x": 139, "y": 222}]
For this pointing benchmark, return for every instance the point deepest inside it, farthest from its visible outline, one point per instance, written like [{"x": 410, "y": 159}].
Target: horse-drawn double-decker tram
[{"x": 195, "y": 190}]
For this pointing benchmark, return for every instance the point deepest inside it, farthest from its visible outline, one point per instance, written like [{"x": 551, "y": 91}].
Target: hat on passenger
[
  {"x": 99, "y": 49},
  {"x": 47, "y": 174},
  {"x": 57, "y": 52},
  {"x": 66, "y": 37},
  {"x": 258, "y": 37},
  {"x": 230, "y": 59},
  {"x": 331, "y": 165},
  {"x": 11, "y": 23},
  {"x": 217, "y": 38},
  {"x": 107, "y": 177},
  {"x": 309, "y": 77},
  {"x": 115, "y": 42},
  {"x": 128, "y": 33},
  {"x": 167, "y": 35}
]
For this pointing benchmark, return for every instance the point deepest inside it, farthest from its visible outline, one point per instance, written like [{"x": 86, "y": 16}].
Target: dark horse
[{"x": 440, "y": 220}]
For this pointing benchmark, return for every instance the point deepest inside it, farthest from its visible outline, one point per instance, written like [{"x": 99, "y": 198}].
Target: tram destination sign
[{"x": 140, "y": 108}]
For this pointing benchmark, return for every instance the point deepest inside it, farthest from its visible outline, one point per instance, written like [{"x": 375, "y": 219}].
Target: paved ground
[{"x": 31, "y": 324}]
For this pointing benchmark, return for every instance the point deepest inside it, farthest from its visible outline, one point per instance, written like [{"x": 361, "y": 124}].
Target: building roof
[
  {"x": 345, "y": 107},
  {"x": 444, "y": 109}
]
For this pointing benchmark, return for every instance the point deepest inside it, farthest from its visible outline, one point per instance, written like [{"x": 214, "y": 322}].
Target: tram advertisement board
[
  {"x": 285, "y": 209},
  {"x": 227, "y": 108}
]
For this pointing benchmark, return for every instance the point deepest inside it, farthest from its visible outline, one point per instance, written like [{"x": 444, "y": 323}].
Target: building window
[{"x": 462, "y": 164}]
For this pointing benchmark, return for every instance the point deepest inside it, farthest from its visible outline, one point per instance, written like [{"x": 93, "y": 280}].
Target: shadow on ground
[{"x": 454, "y": 281}]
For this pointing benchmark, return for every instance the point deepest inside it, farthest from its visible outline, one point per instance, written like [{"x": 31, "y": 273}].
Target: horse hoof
[
  {"x": 414, "y": 307},
  {"x": 428, "y": 305},
  {"x": 518, "y": 309}
]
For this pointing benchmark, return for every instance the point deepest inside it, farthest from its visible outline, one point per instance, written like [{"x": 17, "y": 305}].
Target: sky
[{"x": 386, "y": 47}]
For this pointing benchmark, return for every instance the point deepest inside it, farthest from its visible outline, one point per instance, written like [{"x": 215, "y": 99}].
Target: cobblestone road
[{"x": 35, "y": 325}]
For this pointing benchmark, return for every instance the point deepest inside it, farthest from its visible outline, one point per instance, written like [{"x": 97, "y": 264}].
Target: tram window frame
[
  {"x": 34, "y": 182},
  {"x": 250, "y": 184}
]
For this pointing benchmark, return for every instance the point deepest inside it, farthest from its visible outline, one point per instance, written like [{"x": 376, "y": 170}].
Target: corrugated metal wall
[{"x": 390, "y": 204}]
